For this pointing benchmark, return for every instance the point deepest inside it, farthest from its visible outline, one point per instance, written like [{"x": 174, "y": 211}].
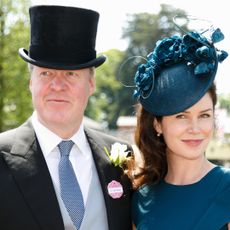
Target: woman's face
[{"x": 188, "y": 133}]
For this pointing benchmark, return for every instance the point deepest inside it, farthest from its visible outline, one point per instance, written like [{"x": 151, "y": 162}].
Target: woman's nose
[{"x": 194, "y": 126}]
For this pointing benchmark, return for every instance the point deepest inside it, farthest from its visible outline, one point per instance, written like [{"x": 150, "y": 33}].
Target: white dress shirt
[{"x": 80, "y": 157}]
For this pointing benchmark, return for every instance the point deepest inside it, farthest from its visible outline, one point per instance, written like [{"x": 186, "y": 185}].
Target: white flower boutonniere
[{"x": 117, "y": 154}]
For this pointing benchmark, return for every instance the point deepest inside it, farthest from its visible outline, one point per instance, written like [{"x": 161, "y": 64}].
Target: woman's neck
[{"x": 183, "y": 172}]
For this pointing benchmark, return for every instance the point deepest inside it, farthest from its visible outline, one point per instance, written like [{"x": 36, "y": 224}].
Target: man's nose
[{"x": 58, "y": 82}]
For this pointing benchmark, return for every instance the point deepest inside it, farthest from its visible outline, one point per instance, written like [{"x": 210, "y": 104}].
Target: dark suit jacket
[{"x": 27, "y": 197}]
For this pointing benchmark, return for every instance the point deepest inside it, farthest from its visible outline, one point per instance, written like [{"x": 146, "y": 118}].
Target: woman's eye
[
  {"x": 180, "y": 116},
  {"x": 205, "y": 115}
]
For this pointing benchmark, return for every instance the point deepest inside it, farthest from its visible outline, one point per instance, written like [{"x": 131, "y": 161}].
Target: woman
[{"x": 177, "y": 187}]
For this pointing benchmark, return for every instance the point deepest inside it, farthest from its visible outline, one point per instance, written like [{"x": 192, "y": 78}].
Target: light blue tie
[{"x": 70, "y": 189}]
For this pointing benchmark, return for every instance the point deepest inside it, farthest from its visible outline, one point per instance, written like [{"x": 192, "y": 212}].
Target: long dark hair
[{"x": 152, "y": 147}]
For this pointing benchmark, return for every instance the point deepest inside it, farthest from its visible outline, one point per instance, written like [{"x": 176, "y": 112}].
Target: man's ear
[
  {"x": 92, "y": 84},
  {"x": 30, "y": 85}
]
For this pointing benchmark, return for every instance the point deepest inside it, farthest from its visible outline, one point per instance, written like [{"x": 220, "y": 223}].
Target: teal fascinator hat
[{"x": 178, "y": 72}]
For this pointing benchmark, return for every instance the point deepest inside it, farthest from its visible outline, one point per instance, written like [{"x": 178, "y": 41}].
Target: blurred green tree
[
  {"x": 15, "y": 103},
  {"x": 142, "y": 32},
  {"x": 113, "y": 98},
  {"x": 224, "y": 102},
  {"x": 103, "y": 103}
]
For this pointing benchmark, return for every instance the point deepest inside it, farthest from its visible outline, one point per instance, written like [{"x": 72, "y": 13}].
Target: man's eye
[
  {"x": 45, "y": 73},
  {"x": 71, "y": 74}
]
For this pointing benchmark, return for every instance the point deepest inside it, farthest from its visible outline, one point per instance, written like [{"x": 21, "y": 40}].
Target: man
[{"x": 37, "y": 191}]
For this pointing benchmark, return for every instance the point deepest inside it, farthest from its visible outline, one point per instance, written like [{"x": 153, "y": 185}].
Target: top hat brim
[{"x": 62, "y": 66}]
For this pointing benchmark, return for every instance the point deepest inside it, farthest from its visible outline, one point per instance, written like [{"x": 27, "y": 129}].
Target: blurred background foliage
[
  {"x": 111, "y": 99},
  {"x": 15, "y": 103}
]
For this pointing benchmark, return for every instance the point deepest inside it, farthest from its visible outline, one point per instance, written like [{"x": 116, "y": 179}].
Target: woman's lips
[{"x": 192, "y": 142}]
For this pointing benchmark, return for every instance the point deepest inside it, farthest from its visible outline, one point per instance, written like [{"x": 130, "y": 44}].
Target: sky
[{"x": 113, "y": 16}]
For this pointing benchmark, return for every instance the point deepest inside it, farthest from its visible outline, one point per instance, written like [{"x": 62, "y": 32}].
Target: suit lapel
[
  {"x": 107, "y": 173},
  {"x": 28, "y": 167},
  {"x": 102, "y": 162}
]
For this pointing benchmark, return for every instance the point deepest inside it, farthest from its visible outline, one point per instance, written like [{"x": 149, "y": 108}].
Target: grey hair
[{"x": 30, "y": 67}]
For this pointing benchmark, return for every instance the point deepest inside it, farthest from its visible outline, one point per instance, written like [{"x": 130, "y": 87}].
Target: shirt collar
[
  {"x": 79, "y": 138},
  {"x": 49, "y": 140}
]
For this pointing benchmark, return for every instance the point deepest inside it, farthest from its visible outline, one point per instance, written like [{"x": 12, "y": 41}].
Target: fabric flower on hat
[
  {"x": 194, "y": 48},
  {"x": 167, "y": 51},
  {"x": 144, "y": 80},
  {"x": 221, "y": 55},
  {"x": 217, "y": 36}
]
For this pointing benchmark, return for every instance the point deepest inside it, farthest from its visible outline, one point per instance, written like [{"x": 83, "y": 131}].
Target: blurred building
[
  {"x": 126, "y": 128},
  {"x": 88, "y": 122},
  {"x": 219, "y": 148}
]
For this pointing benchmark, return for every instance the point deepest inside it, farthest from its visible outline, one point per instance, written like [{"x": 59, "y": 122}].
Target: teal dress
[{"x": 204, "y": 205}]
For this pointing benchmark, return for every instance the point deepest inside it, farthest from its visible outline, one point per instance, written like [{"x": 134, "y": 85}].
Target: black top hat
[{"x": 62, "y": 38}]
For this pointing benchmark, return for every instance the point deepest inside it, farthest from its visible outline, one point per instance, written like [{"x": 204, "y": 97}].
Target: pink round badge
[{"x": 115, "y": 189}]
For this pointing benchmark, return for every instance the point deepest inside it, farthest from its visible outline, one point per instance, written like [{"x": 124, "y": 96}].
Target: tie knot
[{"x": 65, "y": 147}]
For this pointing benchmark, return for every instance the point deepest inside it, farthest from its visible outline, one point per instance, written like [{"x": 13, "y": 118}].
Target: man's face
[{"x": 60, "y": 96}]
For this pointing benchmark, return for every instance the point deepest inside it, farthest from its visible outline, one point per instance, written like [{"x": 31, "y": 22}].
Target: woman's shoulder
[
  {"x": 221, "y": 204},
  {"x": 225, "y": 170},
  {"x": 224, "y": 173},
  {"x": 223, "y": 188}
]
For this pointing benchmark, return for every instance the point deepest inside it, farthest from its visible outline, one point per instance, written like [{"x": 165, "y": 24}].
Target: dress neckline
[{"x": 202, "y": 180}]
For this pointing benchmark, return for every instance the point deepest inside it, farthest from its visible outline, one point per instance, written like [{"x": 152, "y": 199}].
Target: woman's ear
[{"x": 157, "y": 126}]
